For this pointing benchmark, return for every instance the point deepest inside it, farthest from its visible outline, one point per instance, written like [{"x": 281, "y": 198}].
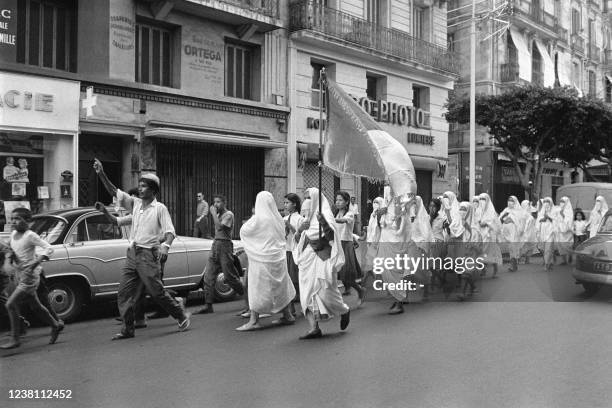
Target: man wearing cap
[{"x": 149, "y": 219}]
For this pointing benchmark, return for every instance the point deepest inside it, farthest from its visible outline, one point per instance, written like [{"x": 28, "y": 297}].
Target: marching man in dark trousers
[
  {"x": 150, "y": 219},
  {"x": 222, "y": 254}
]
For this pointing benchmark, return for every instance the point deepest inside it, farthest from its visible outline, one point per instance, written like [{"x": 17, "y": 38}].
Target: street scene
[{"x": 334, "y": 203}]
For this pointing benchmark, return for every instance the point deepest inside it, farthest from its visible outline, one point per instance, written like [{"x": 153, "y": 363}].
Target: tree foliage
[{"x": 534, "y": 124}]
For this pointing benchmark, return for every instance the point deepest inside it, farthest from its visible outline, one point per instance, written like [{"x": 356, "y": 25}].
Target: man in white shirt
[
  {"x": 201, "y": 228},
  {"x": 150, "y": 219}
]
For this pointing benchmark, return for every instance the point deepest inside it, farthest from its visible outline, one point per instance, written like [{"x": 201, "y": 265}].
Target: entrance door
[
  {"x": 423, "y": 179},
  {"x": 108, "y": 150},
  {"x": 186, "y": 168}
]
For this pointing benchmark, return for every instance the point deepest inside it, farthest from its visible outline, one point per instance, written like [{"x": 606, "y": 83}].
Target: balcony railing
[
  {"x": 308, "y": 15},
  {"x": 577, "y": 43},
  {"x": 509, "y": 72},
  {"x": 594, "y": 53},
  {"x": 595, "y": 4},
  {"x": 536, "y": 13},
  {"x": 266, "y": 7}
]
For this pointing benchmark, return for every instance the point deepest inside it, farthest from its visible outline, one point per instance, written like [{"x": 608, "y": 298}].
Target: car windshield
[
  {"x": 606, "y": 225},
  {"x": 49, "y": 228}
]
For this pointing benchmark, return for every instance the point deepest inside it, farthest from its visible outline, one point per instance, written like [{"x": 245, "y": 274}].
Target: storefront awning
[
  {"x": 211, "y": 137},
  {"x": 548, "y": 65},
  {"x": 563, "y": 66},
  {"x": 524, "y": 56}
]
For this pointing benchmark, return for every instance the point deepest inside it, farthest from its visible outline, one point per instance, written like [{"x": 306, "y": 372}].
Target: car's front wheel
[
  {"x": 223, "y": 291},
  {"x": 591, "y": 288},
  {"x": 66, "y": 298}
]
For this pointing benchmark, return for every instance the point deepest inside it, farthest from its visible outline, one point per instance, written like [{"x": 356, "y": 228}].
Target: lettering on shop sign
[
  {"x": 122, "y": 32},
  {"x": 420, "y": 139},
  {"x": 205, "y": 56},
  {"x": 8, "y": 30},
  {"x": 391, "y": 112},
  {"x": 27, "y": 100}
]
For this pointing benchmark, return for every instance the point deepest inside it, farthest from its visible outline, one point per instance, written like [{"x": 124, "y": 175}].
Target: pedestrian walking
[
  {"x": 293, "y": 219},
  {"x": 580, "y": 228},
  {"x": 23, "y": 244},
  {"x": 564, "y": 226},
  {"x": 145, "y": 256},
  {"x": 351, "y": 270},
  {"x": 597, "y": 213},
  {"x": 372, "y": 238},
  {"x": 455, "y": 226},
  {"x": 438, "y": 246},
  {"x": 319, "y": 258},
  {"x": 470, "y": 249},
  {"x": 269, "y": 286},
  {"x": 222, "y": 254},
  {"x": 489, "y": 230},
  {"x": 201, "y": 227},
  {"x": 546, "y": 232},
  {"x": 394, "y": 237},
  {"x": 513, "y": 220},
  {"x": 354, "y": 208},
  {"x": 421, "y": 237},
  {"x": 529, "y": 236}
]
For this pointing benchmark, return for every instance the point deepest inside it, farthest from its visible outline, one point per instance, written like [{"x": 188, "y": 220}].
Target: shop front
[{"x": 39, "y": 122}]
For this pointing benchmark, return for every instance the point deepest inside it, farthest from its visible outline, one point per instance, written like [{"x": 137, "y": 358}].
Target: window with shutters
[
  {"x": 47, "y": 34},
  {"x": 239, "y": 69},
  {"x": 153, "y": 54}
]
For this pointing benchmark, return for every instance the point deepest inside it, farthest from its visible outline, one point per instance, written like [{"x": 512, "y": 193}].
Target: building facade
[
  {"x": 549, "y": 42},
  {"x": 194, "y": 91},
  {"x": 390, "y": 56}
]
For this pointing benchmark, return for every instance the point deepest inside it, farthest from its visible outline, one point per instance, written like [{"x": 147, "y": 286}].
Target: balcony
[
  {"x": 252, "y": 15},
  {"x": 509, "y": 72},
  {"x": 596, "y": 4},
  {"x": 577, "y": 43},
  {"x": 347, "y": 29},
  {"x": 535, "y": 13}
]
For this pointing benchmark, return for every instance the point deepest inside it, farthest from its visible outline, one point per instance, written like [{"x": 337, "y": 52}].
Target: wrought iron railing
[
  {"x": 536, "y": 13},
  {"x": 310, "y": 15},
  {"x": 266, "y": 7},
  {"x": 509, "y": 72}
]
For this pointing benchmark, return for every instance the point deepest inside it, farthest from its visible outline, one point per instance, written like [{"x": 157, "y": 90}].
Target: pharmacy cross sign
[{"x": 90, "y": 101}]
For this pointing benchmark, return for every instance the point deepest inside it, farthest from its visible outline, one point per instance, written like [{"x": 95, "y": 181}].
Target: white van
[{"x": 582, "y": 195}]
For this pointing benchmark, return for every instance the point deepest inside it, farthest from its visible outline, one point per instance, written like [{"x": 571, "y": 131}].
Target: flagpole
[{"x": 321, "y": 99}]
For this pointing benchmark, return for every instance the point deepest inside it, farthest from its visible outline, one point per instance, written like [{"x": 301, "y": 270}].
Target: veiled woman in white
[
  {"x": 421, "y": 239},
  {"x": 546, "y": 232},
  {"x": 373, "y": 236},
  {"x": 489, "y": 229},
  {"x": 394, "y": 234},
  {"x": 528, "y": 237},
  {"x": 513, "y": 219},
  {"x": 455, "y": 227},
  {"x": 564, "y": 227},
  {"x": 597, "y": 213},
  {"x": 319, "y": 258},
  {"x": 269, "y": 285}
]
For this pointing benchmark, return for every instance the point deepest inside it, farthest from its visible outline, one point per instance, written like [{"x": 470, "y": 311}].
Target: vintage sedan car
[
  {"x": 89, "y": 254},
  {"x": 593, "y": 267}
]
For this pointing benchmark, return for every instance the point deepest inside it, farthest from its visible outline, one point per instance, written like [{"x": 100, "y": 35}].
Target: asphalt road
[{"x": 529, "y": 339}]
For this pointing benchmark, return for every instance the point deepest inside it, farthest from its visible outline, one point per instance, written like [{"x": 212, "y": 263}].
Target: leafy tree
[{"x": 534, "y": 124}]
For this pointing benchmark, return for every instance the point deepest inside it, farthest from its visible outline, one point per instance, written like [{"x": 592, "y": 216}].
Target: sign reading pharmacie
[{"x": 32, "y": 102}]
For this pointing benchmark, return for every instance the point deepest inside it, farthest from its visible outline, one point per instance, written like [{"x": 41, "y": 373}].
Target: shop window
[
  {"x": 153, "y": 54},
  {"x": 239, "y": 71},
  {"x": 47, "y": 34}
]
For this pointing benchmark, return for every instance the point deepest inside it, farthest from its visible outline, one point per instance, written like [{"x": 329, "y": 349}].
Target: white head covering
[
  {"x": 467, "y": 218},
  {"x": 456, "y": 226},
  {"x": 373, "y": 227},
  {"x": 601, "y": 205},
  {"x": 337, "y": 254},
  {"x": 488, "y": 214},
  {"x": 565, "y": 205},
  {"x": 597, "y": 213},
  {"x": 263, "y": 235},
  {"x": 421, "y": 228}
]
